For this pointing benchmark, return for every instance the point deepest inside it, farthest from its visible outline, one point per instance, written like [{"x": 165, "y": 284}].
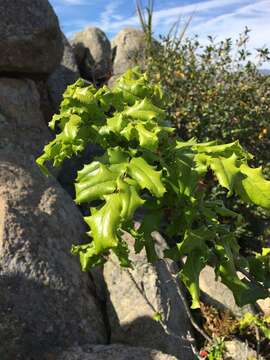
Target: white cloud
[
  {"x": 164, "y": 18},
  {"x": 219, "y": 18},
  {"x": 202, "y": 6},
  {"x": 255, "y": 16},
  {"x": 109, "y": 15}
]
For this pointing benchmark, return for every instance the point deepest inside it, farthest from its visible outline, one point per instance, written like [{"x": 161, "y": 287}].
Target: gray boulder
[
  {"x": 264, "y": 304},
  {"x": 217, "y": 294},
  {"x": 31, "y": 41},
  {"x": 237, "y": 350},
  {"x": 110, "y": 352},
  {"x": 46, "y": 301},
  {"x": 128, "y": 49},
  {"x": 22, "y": 125},
  {"x": 93, "y": 54},
  {"x": 131, "y": 315},
  {"x": 65, "y": 74},
  {"x": 112, "y": 81}
]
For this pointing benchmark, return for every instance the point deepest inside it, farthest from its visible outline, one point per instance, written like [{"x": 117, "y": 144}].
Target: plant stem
[
  {"x": 181, "y": 294},
  {"x": 251, "y": 278}
]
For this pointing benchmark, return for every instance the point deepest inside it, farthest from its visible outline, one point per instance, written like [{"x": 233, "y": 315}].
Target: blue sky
[{"x": 219, "y": 18}]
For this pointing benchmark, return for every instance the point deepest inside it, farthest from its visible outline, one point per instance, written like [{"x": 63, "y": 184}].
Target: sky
[{"x": 218, "y": 18}]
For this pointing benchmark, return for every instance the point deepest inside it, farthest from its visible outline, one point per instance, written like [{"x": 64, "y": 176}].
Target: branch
[
  {"x": 258, "y": 341},
  {"x": 87, "y": 82},
  {"x": 181, "y": 294},
  {"x": 251, "y": 278}
]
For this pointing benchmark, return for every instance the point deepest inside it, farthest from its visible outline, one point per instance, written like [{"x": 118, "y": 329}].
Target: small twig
[
  {"x": 258, "y": 341},
  {"x": 251, "y": 278},
  {"x": 177, "y": 284},
  {"x": 87, "y": 82},
  {"x": 169, "y": 309}
]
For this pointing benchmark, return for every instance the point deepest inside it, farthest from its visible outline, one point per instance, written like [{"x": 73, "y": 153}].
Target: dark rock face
[
  {"x": 31, "y": 40},
  {"x": 110, "y": 352},
  {"x": 93, "y": 54},
  {"x": 65, "y": 74},
  {"x": 45, "y": 299}
]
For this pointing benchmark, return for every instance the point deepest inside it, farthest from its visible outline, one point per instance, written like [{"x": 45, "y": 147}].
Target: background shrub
[{"x": 216, "y": 91}]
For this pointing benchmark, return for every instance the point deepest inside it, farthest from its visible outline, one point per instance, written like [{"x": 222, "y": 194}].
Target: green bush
[
  {"x": 215, "y": 91},
  {"x": 146, "y": 165}
]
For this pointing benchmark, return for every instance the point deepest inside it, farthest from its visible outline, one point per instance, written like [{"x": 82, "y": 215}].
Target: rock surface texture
[
  {"x": 45, "y": 299},
  {"x": 218, "y": 295},
  {"x": 65, "y": 74},
  {"x": 237, "y": 350},
  {"x": 110, "y": 352},
  {"x": 93, "y": 54},
  {"x": 22, "y": 126},
  {"x": 31, "y": 40},
  {"x": 265, "y": 306},
  {"x": 131, "y": 315},
  {"x": 128, "y": 48}
]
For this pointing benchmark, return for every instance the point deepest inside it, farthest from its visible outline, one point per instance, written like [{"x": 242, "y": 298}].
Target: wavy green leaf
[
  {"x": 122, "y": 252},
  {"x": 143, "y": 235},
  {"x": 226, "y": 150},
  {"x": 243, "y": 291},
  {"x": 254, "y": 187},
  {"x": 89, "y": 257},
  {"x": 146, "y": 176},
  {"x": 94, "y": 181},
  {"x": 247, "y": 182},
  {"x": 148, "y": 139},
  {"x": 130, "y": 199},
  {"x": 195, "y": 239},
  {"x": 133, "y": 86},
  {"x": 117, "y": 123},
  {"x": 145, "y": 110},
  {"x": 116, "y": 155},
  {"x": 105, "y": 223},
  {"x": 226, "y": 171},
  {"x": 195, "y": 262}
]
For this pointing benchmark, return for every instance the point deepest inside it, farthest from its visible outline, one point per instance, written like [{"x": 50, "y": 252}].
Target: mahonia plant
[
  {"x": 251, "y": 320},
  {"x": 146, "y": 166}
]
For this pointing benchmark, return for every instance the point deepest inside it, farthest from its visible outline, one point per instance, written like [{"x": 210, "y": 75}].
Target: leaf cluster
[
  {"x": 145, "y": 165},
  {"x": 251, "y": 320}
]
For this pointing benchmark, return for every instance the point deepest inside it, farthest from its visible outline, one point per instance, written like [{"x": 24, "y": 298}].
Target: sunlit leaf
[
  {"x": 146, "y": 176},
  {"x": 196, "y": 261}
]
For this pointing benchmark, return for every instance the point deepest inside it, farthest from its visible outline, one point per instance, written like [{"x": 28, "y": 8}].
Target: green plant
[
  {"x": 251, "y": 320},
  {"x": 217, "y": 350},
  {"x": 216, "y": 91},
  {"x": 146, "y": 165}
]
